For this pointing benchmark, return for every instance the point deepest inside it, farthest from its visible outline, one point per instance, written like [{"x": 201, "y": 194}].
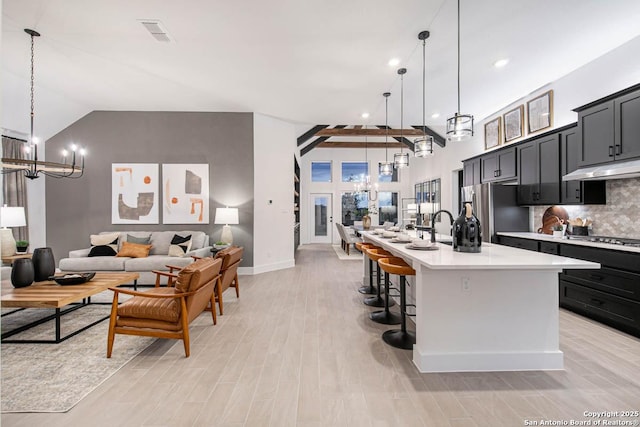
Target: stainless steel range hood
[{"x": 619, "y": 170}]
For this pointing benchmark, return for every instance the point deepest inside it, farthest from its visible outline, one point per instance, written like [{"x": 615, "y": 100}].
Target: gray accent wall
[{"x": 77, "y": 208}]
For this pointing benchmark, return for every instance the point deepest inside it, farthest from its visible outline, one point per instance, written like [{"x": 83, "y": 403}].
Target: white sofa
[{"x": 157, "y": 260}]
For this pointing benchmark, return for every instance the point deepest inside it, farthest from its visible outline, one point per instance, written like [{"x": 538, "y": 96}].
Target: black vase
[
  {"x": 22, "y": 273},
  {"x": 43, "y": 264}
]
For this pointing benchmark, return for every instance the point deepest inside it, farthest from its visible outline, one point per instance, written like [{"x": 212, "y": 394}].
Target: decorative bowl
[{"x": 72, "y": 278}]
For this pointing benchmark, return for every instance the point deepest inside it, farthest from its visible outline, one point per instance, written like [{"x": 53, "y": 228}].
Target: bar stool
[
  {"x": 399, "y": 338},
  {"x": 374, "y": 254},
  {"x": 386, "y": 317},
  {"x": 367, "y": 290}
]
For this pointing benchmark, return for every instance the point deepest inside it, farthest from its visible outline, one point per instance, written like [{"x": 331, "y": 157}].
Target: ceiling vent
[{"x": 156, "y": 29}]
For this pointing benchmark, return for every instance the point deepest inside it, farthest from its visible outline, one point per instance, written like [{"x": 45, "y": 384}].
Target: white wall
[
  {"x": 336, "y": 187},
  {"x": 273, "y": 145},
  {"x": 610, "y": 73}
]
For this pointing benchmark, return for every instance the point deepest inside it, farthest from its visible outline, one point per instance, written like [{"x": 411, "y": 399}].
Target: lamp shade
[
  {"x": 12, "y": 217},
  {"x": 226, "y": 216}
]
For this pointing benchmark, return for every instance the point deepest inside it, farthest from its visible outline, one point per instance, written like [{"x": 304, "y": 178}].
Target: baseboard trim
[
  {"x": 250, "y": 271},
  {"x": 479, "y": 362}
]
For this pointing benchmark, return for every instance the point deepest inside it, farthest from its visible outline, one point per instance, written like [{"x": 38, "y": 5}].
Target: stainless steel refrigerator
[{"x": 495, "y": 206}]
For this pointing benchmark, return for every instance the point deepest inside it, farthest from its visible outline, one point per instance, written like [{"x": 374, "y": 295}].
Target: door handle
[
  {"x": 611, "y": 151},
  {"x": 618, "y": 150},
  {"x": 597, "y": 301},
  {"x": 577, "y": 193}
]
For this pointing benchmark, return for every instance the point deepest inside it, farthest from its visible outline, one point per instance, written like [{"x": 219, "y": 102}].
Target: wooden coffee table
[{"x": 49, "y": 294}]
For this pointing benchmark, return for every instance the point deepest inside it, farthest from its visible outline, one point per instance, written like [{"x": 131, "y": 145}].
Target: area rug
[
  {"x": 342, "y": 255},
  {"x": 55, "y": 377}
]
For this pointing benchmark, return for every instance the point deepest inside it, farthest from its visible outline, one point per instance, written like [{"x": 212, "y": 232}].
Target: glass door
[{"x": 321, "y": 218}]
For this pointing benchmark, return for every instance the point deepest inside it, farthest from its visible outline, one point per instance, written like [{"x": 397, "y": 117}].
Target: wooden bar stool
[
  {"x": 399, "y": 338},
  {"x": 386, "y": 317},
  {"x": 362, "y": 247},
  {"x": 374, "y": 254}
]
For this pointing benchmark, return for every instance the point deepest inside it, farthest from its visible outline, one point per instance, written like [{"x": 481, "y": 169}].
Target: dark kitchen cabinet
[
  {"x": 626, "y": 110},
  {"x": 608, "y": 129},
  {"x": 499, "y": 165},
  {"x": 471, "y": 172},
  {"x": 577, "y": 192},
  {"x": 516, "y": 242},
  {"x": 539, "y": 171},
  {"x": 611, "y": 294}
]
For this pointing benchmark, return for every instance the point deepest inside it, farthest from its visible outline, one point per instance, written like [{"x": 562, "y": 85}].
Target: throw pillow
[
  {"x": 140, "y": 240},
  {"x": 180, "y": 245},
  {"x": 104, "y": 244},
  {"x": 134, "y": 250}
]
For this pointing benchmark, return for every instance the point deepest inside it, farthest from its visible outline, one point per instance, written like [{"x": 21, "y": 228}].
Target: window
[
  {"x": 320, "y": 171},
  {"x": 354, "y": 171},
  {"x": 354, "y": 207},
  {"x": 387, "y": 207},
  {"x": 387, "y": 178}
]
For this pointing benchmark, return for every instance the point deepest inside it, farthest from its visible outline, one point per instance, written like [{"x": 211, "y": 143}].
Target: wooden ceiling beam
[
  {"x": 357, "y": 144},
  {"x": 317, "y": 141},
  {"x": 368, "y": 132},
  {"x": 404, "y": 140},
  {"x": 310, "y": 133}
]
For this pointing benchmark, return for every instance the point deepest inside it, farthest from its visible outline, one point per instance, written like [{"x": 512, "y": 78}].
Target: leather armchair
[
  {"x": 166, "y": 312},
  {"x": 231, "y": 258}
]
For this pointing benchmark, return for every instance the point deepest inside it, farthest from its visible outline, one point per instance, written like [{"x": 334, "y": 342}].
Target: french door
[{"x": 321, "y": 218}]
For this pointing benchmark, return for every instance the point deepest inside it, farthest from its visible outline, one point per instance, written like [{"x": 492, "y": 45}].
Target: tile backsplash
[{"x": 620, "y": 217}]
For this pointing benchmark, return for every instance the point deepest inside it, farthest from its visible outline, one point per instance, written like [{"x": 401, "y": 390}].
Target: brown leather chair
[
  {"x": 231, "y": 258},
  {"x": 166, "y": 312}
]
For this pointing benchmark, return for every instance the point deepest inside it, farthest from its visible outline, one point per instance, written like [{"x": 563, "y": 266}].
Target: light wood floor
[{"x": 297, "y": 349}]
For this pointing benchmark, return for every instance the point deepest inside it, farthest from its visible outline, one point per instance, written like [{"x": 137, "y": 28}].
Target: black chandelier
[{"x": 31, "y": 166}]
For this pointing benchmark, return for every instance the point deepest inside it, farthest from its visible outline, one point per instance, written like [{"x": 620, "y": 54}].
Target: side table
[{"x": 8, "y": 260}]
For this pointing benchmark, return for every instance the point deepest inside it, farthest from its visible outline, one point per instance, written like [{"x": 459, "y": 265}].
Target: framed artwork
[
  {"x": 513, "y": 121},
  {"x": 134, "y": 193},
  {"x": 185, "y": 198},
  {"x": 540, "y": 112},
  {"x": 492, "y": 133}
]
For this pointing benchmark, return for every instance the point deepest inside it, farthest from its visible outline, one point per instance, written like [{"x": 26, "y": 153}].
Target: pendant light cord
[
  {"x": 35, "y": 148},
  {"x": 424, "y": 90},
  {"x": 386, "y": 127},
  {"x": 402, "y": 111},
  {"x": 458, "y": 56}
]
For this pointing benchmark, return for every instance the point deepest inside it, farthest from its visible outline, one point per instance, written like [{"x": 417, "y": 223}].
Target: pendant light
[
  {"x": 423, "y": 146},
  {"x": 460, "y": 126},
  {"x": 386, "y": 167},
  {"x": 31, "y": 167},
  {"x": 401, "y": 159}
]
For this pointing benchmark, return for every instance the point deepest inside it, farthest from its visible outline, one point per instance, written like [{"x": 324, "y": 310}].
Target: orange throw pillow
[{"x": 134, "y": 250}]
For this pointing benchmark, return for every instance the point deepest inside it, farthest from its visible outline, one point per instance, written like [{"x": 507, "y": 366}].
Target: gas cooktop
[{"x": 611, "y": 240}]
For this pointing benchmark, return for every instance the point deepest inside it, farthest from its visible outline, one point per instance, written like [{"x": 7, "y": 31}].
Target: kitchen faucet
[{"x": 433, "y": 223}]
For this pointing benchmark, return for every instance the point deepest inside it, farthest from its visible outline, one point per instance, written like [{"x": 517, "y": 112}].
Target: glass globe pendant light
[
  {"x": 460, "y": 126},
  {"x": 386, "y": 167},
  {"x": 423, "y": 146},
  {"x": 401, "y": 159}
]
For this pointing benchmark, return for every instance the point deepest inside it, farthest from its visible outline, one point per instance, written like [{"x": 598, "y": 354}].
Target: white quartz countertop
[
  {"x": 492, "y": 257},
  {"x": 569, "y": 241}
]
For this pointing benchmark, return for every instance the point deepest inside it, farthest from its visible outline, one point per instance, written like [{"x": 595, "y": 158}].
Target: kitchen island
[{"x": 496, "y": 310}]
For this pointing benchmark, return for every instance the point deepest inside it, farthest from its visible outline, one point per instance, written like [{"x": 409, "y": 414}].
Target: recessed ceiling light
[
  {"x": 393, "y": 62},
  {"x": 435, "y": 115},
  {"x": 501, "y": 63},
  {"x": 365, "y": 115}
]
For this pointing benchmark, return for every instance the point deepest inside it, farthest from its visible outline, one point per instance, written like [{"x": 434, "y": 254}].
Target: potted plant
[{"x": 22, "y": 246}]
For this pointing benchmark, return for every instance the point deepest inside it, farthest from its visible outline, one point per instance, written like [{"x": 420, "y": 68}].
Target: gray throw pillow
[{"x": 140, "y": 240}]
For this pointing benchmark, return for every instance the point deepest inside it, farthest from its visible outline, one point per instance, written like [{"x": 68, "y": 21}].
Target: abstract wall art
[
  {"x": 185, "y": 198},
  {"x": 134, "y": 193}
]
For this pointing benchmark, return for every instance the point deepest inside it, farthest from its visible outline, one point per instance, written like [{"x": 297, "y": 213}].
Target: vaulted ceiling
[{"x": 310, "y": 62}]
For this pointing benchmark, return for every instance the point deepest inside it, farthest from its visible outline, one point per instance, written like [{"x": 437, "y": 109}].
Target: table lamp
[
  {"x": 226, "y": 216},
  {"x": 10, "y": 217}
]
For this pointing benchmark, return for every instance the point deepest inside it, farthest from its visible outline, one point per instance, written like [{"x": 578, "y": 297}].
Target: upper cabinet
[
  {"x": 539, "y": 171},
  {"x": 609, "y": 129},
  {"x": 577, "y": 192},
  {"x": 499, "y": 165},
  {"x": 471, "y": 171}
]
